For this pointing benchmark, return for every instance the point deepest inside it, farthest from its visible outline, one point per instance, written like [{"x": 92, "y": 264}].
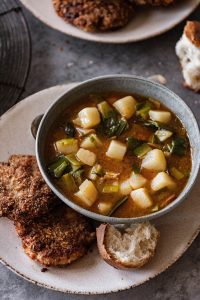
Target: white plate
[
  {"x": 144, "y": 25},
  {"x": 89, "y": 275}
]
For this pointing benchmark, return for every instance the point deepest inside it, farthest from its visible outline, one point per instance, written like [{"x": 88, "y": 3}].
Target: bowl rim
[{"x": 107, "y": 219}]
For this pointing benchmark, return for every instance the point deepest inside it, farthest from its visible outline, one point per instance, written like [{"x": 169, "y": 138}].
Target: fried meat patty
[
  {"x": 153, "y": 2},
  {"x": 23, "y": 192},
  {"x": 91, "y": 16},
  {"x": 58, "y": 238}
]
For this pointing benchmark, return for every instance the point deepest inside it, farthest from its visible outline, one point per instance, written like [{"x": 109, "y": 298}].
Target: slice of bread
[
  {"x": 188, "y": 52},
  {"x": 132, "y": 247}
]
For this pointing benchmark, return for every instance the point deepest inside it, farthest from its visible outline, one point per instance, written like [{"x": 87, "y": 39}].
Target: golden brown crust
[
  {"x": 101, "y": 232},
  {"x": 192, "y": 31},
  {"x": 91, "y": 16},
  {"x": 58, "y": 238},
  {"x": 23, "y": 192}
]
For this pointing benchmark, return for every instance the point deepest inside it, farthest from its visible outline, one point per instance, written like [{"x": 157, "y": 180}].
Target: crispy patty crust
[
  {"x": 58, "y": 238},
  {"x": 23, "y": 192},
  {"x": 91, "y": 16}
]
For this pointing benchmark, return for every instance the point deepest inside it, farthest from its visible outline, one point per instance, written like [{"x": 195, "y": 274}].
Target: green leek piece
[
  {"x": 58, "y": 167},
  {"x": 77, "y": 174},
  {"x": 67, "y": 146},
  {"x": 122, "y": 125},
  {"x": 133, "y": 143},
  {"x": 70, "y": 130},
  {"x": 135, "y": 168},
  {"x": 95, "y": 140},
  {"x": 96, "y": 171},
  {"x": 117, "y": 205},
  {"x": 73, "y": 160},
  {"x": 152, "y": 139},
  {"x": 178, "y": 146},
  {"x": 142, "y": 150},
  {"x": 163, "y": 134},
  {"x": 143, "y": 110},
  {"x": 105, "y": 109},
  {"x": 107, "y": 189},
  {"x": 68, "y": 182},
  {"x": 176, "y": 173}
]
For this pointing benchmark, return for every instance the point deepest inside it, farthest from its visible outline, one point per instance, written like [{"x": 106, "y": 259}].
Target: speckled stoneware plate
[
  {"x": 89, "y": 275},
  {"x": 145, "y": 24}
]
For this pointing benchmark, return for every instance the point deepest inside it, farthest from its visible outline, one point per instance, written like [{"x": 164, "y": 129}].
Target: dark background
[{"x": 58, "y": 59}]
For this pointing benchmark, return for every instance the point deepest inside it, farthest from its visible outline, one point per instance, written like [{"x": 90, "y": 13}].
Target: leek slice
[
  {"x": 68, "y": 182},
  {"x": 163, "y": 134},
  {"x": 105, "y": 109},
  {"x": 176, "y": 173},
  {"x": 118, "y": 204},
  {"x": 58, "y": 167},
  {"x": 142, "y": 150},
  {"x": 108, "y": 189}
]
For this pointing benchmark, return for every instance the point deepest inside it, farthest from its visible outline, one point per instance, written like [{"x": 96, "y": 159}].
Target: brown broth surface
[{"x": 138, "y": 131}]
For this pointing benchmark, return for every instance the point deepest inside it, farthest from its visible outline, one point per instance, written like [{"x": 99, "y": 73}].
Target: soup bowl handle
[{"x": 35, "y": 124}]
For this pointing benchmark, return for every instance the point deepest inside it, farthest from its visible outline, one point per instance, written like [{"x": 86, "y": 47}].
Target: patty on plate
[
  {"x": 92, "y": 16},
  {"x": 58, "y": 238},
  {"x": 24, "y": 194}
]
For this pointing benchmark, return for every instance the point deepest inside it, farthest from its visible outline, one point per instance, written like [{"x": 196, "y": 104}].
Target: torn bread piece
[
  {"x": 58, "y": 238},
  {"x": 188, "y": 52},
  {"x": 24, "y": 194},
  {"x": 132, "y": 247}
]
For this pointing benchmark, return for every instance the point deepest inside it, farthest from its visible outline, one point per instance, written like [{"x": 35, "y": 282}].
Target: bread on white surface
[
  {"x": 188, "y": 52},
  {"x": 132, "y": 247}
]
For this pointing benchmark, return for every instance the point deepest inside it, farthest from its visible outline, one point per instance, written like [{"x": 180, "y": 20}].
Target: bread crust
[
  {"x": 101, "y": 232},
  {"x": 192, "y": 31}
]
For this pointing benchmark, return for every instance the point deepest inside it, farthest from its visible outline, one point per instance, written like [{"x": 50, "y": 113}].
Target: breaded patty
[
  {"x": 153, "y": 2},
  {"x": 58, "y": 238},
  {"x": 23, "y": 192},
  {"x": 91, "y": 16}
]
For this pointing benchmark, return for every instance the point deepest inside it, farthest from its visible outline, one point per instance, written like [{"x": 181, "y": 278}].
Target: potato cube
[
  {"x": 162, "y": 180},
  {"x": 160, "y": 116},
  {"x": 126, "y": 106},
  {"x": 141, "y": 198},
  {"x": 155, "y": 160},
  {"x": 137, "y": 181},
  {"x": 116, "y": 150},
  {"x": 89, "y": 117},
  {"x": 86, "y": 157},
  {"x": 125, "y": 187},
  {"x": 87, "y": 192}
]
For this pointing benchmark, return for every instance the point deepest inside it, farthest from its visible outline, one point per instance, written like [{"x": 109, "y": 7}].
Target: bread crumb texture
[
  {"x": 133, "y": 246},
  {"x": 188, "y": 52}
]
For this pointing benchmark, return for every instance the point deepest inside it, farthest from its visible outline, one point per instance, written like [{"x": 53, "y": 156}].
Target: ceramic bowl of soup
[{"x": 119, "y": 149}]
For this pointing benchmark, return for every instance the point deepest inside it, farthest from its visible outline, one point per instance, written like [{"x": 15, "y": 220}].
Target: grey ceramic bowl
[{"x": 127, "y": 84}]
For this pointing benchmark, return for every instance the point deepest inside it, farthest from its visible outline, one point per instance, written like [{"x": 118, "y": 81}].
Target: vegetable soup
[{"x": 119, "y": 155}]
